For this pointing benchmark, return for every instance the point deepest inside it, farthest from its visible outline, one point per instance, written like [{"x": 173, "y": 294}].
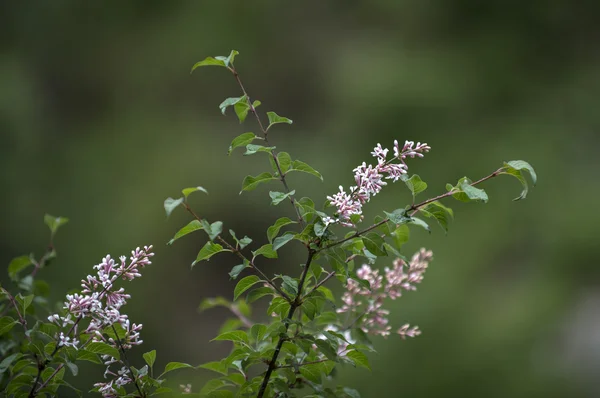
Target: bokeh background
[{"x": 100, "y": 121}]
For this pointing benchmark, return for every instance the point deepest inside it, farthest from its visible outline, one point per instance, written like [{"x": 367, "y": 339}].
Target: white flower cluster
[
  {"x": 100, "y": 302},
  {"x": 358, "y": 300},
  {"x": 370, "y": 180}
]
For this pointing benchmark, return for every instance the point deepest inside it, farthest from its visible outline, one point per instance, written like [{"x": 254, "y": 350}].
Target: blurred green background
[{"x": 100, "y": 121}]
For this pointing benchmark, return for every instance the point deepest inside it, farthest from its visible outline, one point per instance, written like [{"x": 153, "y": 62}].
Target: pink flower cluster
[
  {"x": 367, "y": 304},
  {"x": 100, "y": 302},
  {"x": 370, "y": 180}
]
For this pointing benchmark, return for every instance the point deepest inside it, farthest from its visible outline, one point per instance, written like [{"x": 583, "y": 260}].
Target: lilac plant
[{"x": 307, "y": 330}]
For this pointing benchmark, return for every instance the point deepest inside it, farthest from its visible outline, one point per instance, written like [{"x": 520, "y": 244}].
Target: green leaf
[
  {"x": 311, "y": 373},
  {"x": 278, "y": 197},
  {"x": 251, "y": 149},
  {"x": 398, "y": 216},
  {"x": 213, "y": 230},
  {"x": 514, "y": 168},
  {"x": 441, "y": 213},
  {"x": 374, "y": 243},
  {"x": 282, "y": 240},
  {"x": 216, "y": 366},
  {"x": 174, "y": 366},
  {"x": 420, "y": 223},
  {"x": 6, "y": 324},
  {"x": 258, "y": 293},
  {"x": 245, "y": 284},
  {"x": 241, "y": 141},
  {"x": 150, "y": 357},
  {"x": 83, "y": 355},
  {"x": 401, "y": 235},
  {"x": 24, "y": 301},
  {"x": 289, "y": 284},
  {"x": 319, "y": 229},
  {"x": 209, "y": 250},
  {"x": 231, "y": 101},
  {"x": 211, "y": 388},
  {"x": 266, "y": 251},
  {"x": 472, "y": 192},
  {"x": 359, "y": 358},
  {"x": 241, "y": 109},
  {"x": 298, "y": 165},
  {"x": 18, "y": 264},
  {"x": 279, "y": 306},
  {"x": 212, "y": 302},
  {"x": 273, "y": 230},
  {"x": 415, "y": 184},
  {"x": 285, "y": 161},
  {"x": 257, "y": 332},
  {"x": 54, "y": 223},
  {"x": 193, "y": 225},
  {"x": 325, "y": 347},
  {"x": 102, "y": 349},
  {"x": 523, "y": 165},
  {"x": 216, "y": 61},
  {"x": 237, "y": 270},
  {"x": 250, "y": 183},
  {"x": 237, "y": 336},
  {"x": 187, "y": 191},
  {"x": 275, "y": 118},
  {"x": 245, "y": 241},
  {"x": 171, "y": 204}
]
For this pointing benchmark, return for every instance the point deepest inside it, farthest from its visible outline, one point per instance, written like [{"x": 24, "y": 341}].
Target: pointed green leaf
[
  {"x": 174, "y": 366},
  {"x": 523, "y": 165},
  {"x": 187, "y": 191},
  {"x": 282, "y": 240},
  {"x": 401, "y": 235},
  {"x": 415, "y": 184},
  {"x": 209, "y": 250},
  {"x": 285, "y": 161},
  {"x": 6, "y": 324},
  {"x": 208, "y": 61},
  {"x": 250, "y": 183},
  {"x": 251, "y": 149},
  {"x": 241, "y": 110},
  {"x": 54, "y": 223},
  {"x": 398, "y": 216},
  {"x": 214, "y": 229},
  {"x": 359, "y": 358},
  {"x": 273, "y": 230},
  {"x": 275, "y": 118},
  {"x": 102, "y": 349},
  {"x": 231, "y": 102},
  {"x": 193, "y": 225},
  {"x": 241, "y": 140},
  {"x": 441, "y": 213},
  {"x": 420, "y": 223},
  {"x": 258, "y": 293},
  {"x": 298, "y": 165},
  {"x": 217, "y": 366},
  {"x": 472, "y": 192},
  {"x": 150, "y": 357},
  {"x": 237, "y": 336},
  {"x": 514, "y": 168},
  {"x": 374, "y": 243},
  {"x": 278, "y": 197},
  {"x": 245, "y": 284},
  {"x": 18, "y": 264},
  {"x": 24, "y": 302},
  {"x": 245, "y": 241},
  {"x": 171, "y": 204},
  {"x": 237, "y": 270},
  {"x": 289, "y": 285},
  {"x": 266, "y": 251}
]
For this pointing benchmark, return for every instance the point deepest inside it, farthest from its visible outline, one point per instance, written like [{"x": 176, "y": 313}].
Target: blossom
[
  {"x": 367, "y": 302},
  {"x": 101, "y": 302},
  {"x": 370, "y": 181}
]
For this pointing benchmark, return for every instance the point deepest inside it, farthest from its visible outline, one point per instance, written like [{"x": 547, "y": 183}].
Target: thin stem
[
  {"x": 241, "y": 256},
  {"x": 318, "y": 285},
  {"x": 272, "y": 152},
  {"x": 125, "y": 360},
  {"x": 294, "y": 305},
  {"x": 34, "y": 391}
]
